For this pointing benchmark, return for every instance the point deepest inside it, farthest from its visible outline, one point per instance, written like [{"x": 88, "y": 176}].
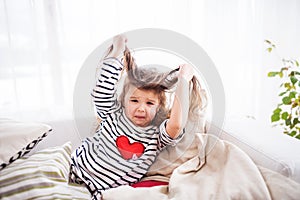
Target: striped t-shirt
[{"x": 119, "y": 153}]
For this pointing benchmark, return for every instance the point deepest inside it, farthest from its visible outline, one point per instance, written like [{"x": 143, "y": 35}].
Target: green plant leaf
[
  {"x": 288, "y": 122},
  {"x": 286, "y": 100},
  {"x": 293, "y": 80},
  {"x": 275, "y": 117},
  {"x": 282, "y": 93},
  {"x": 294, "y": 62},
  {"x": 284, "y": 115},
  {"x": 293, "y": 133},
  {"x": 277, "y": 110},
  {"x": 294, "y": 105},
  {"x": 280, "y": 74},
  {"x": 292, "y": 94},
  {"x": 272, "y": 74},
  {"x": 269, "y": 49},
  {"x": 287, "y": 86},
  {"x": 295, "y": 121},
  {"x": 292, "y": 125},
  {"x": 268, "y": 41},
  {"x": 296, "y": 73}
]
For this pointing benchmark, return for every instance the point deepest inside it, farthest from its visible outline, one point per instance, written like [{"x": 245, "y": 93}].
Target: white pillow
[{"x": 18, "y": 139}]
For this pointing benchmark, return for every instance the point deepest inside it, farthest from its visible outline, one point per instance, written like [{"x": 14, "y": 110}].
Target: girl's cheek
[{"x": 153, "y": 111}]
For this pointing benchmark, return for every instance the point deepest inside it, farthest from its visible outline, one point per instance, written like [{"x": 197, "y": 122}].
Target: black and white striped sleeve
[
  {"x": 165, "y": 139},
  {"x": 104, "y": 93}
]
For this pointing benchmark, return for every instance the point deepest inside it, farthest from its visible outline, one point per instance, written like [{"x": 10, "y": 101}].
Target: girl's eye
[
  {"x": 134, "y": 100},
  {"x": 150, "y": 103}
]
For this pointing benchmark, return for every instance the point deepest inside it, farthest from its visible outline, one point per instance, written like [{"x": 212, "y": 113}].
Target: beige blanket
[{"x": 204, "y": 167}]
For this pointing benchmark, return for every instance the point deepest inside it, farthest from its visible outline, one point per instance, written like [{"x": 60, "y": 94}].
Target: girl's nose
[{"x": 141, "y": 108}]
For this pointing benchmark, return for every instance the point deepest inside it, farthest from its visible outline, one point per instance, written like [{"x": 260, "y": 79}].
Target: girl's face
[{"x": 141, "y": 106}]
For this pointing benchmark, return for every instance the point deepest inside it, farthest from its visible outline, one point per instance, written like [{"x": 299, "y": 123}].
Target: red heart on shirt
[{"x": 129, "y": 150}]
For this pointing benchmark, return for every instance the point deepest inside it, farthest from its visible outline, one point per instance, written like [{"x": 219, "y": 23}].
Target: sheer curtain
[{"x": 44, "y": 43}]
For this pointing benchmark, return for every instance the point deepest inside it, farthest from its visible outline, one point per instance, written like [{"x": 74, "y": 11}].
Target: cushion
[
  {"x": 43, "y": 175},
  {"x": 18, "y": 139}
]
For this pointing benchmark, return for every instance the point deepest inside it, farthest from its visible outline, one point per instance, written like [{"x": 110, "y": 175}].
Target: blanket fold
[
  {"x": 226, "y": 173},
  {"x": 213, "y": 169}
]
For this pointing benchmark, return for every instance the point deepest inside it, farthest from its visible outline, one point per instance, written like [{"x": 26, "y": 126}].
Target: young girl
[{"x": 136, "y": 128}]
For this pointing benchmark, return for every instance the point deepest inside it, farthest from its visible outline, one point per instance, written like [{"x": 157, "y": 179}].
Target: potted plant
[{"x": 287, "y": 112}]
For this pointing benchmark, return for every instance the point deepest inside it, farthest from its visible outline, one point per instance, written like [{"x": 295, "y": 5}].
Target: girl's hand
[
  {"x": 119, "y": 45},
  {"x": 186, "y": 71}
]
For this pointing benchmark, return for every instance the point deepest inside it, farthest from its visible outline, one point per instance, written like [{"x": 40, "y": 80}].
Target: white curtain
[{"x": 43, "y": 44}]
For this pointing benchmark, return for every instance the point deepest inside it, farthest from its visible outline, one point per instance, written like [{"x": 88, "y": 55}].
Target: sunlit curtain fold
[{"x": 44, "y": 43}]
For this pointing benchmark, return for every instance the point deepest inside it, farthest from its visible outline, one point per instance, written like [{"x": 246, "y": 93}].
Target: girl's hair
[
  {"x": 198, "y": 100},
  {"x": 160, "y": 83},
  {"x": 149, "y": 78}
]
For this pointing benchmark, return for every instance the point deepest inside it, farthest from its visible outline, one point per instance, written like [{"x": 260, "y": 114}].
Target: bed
[{"x": 201, "y": 166}]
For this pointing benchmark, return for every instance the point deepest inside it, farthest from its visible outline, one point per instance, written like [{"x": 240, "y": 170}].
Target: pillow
[
  {"x": 43, "y": 175},
  {"x": 18, "y": 139}
]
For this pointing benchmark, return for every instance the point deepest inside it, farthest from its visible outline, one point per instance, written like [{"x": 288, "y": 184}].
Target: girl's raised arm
[
  {"x": 180, "y": 108},
  {"x": 103, "y": 94}
]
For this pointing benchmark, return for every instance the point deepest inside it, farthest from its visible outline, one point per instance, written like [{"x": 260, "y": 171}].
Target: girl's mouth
[{"x": 140, "y": 117}]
